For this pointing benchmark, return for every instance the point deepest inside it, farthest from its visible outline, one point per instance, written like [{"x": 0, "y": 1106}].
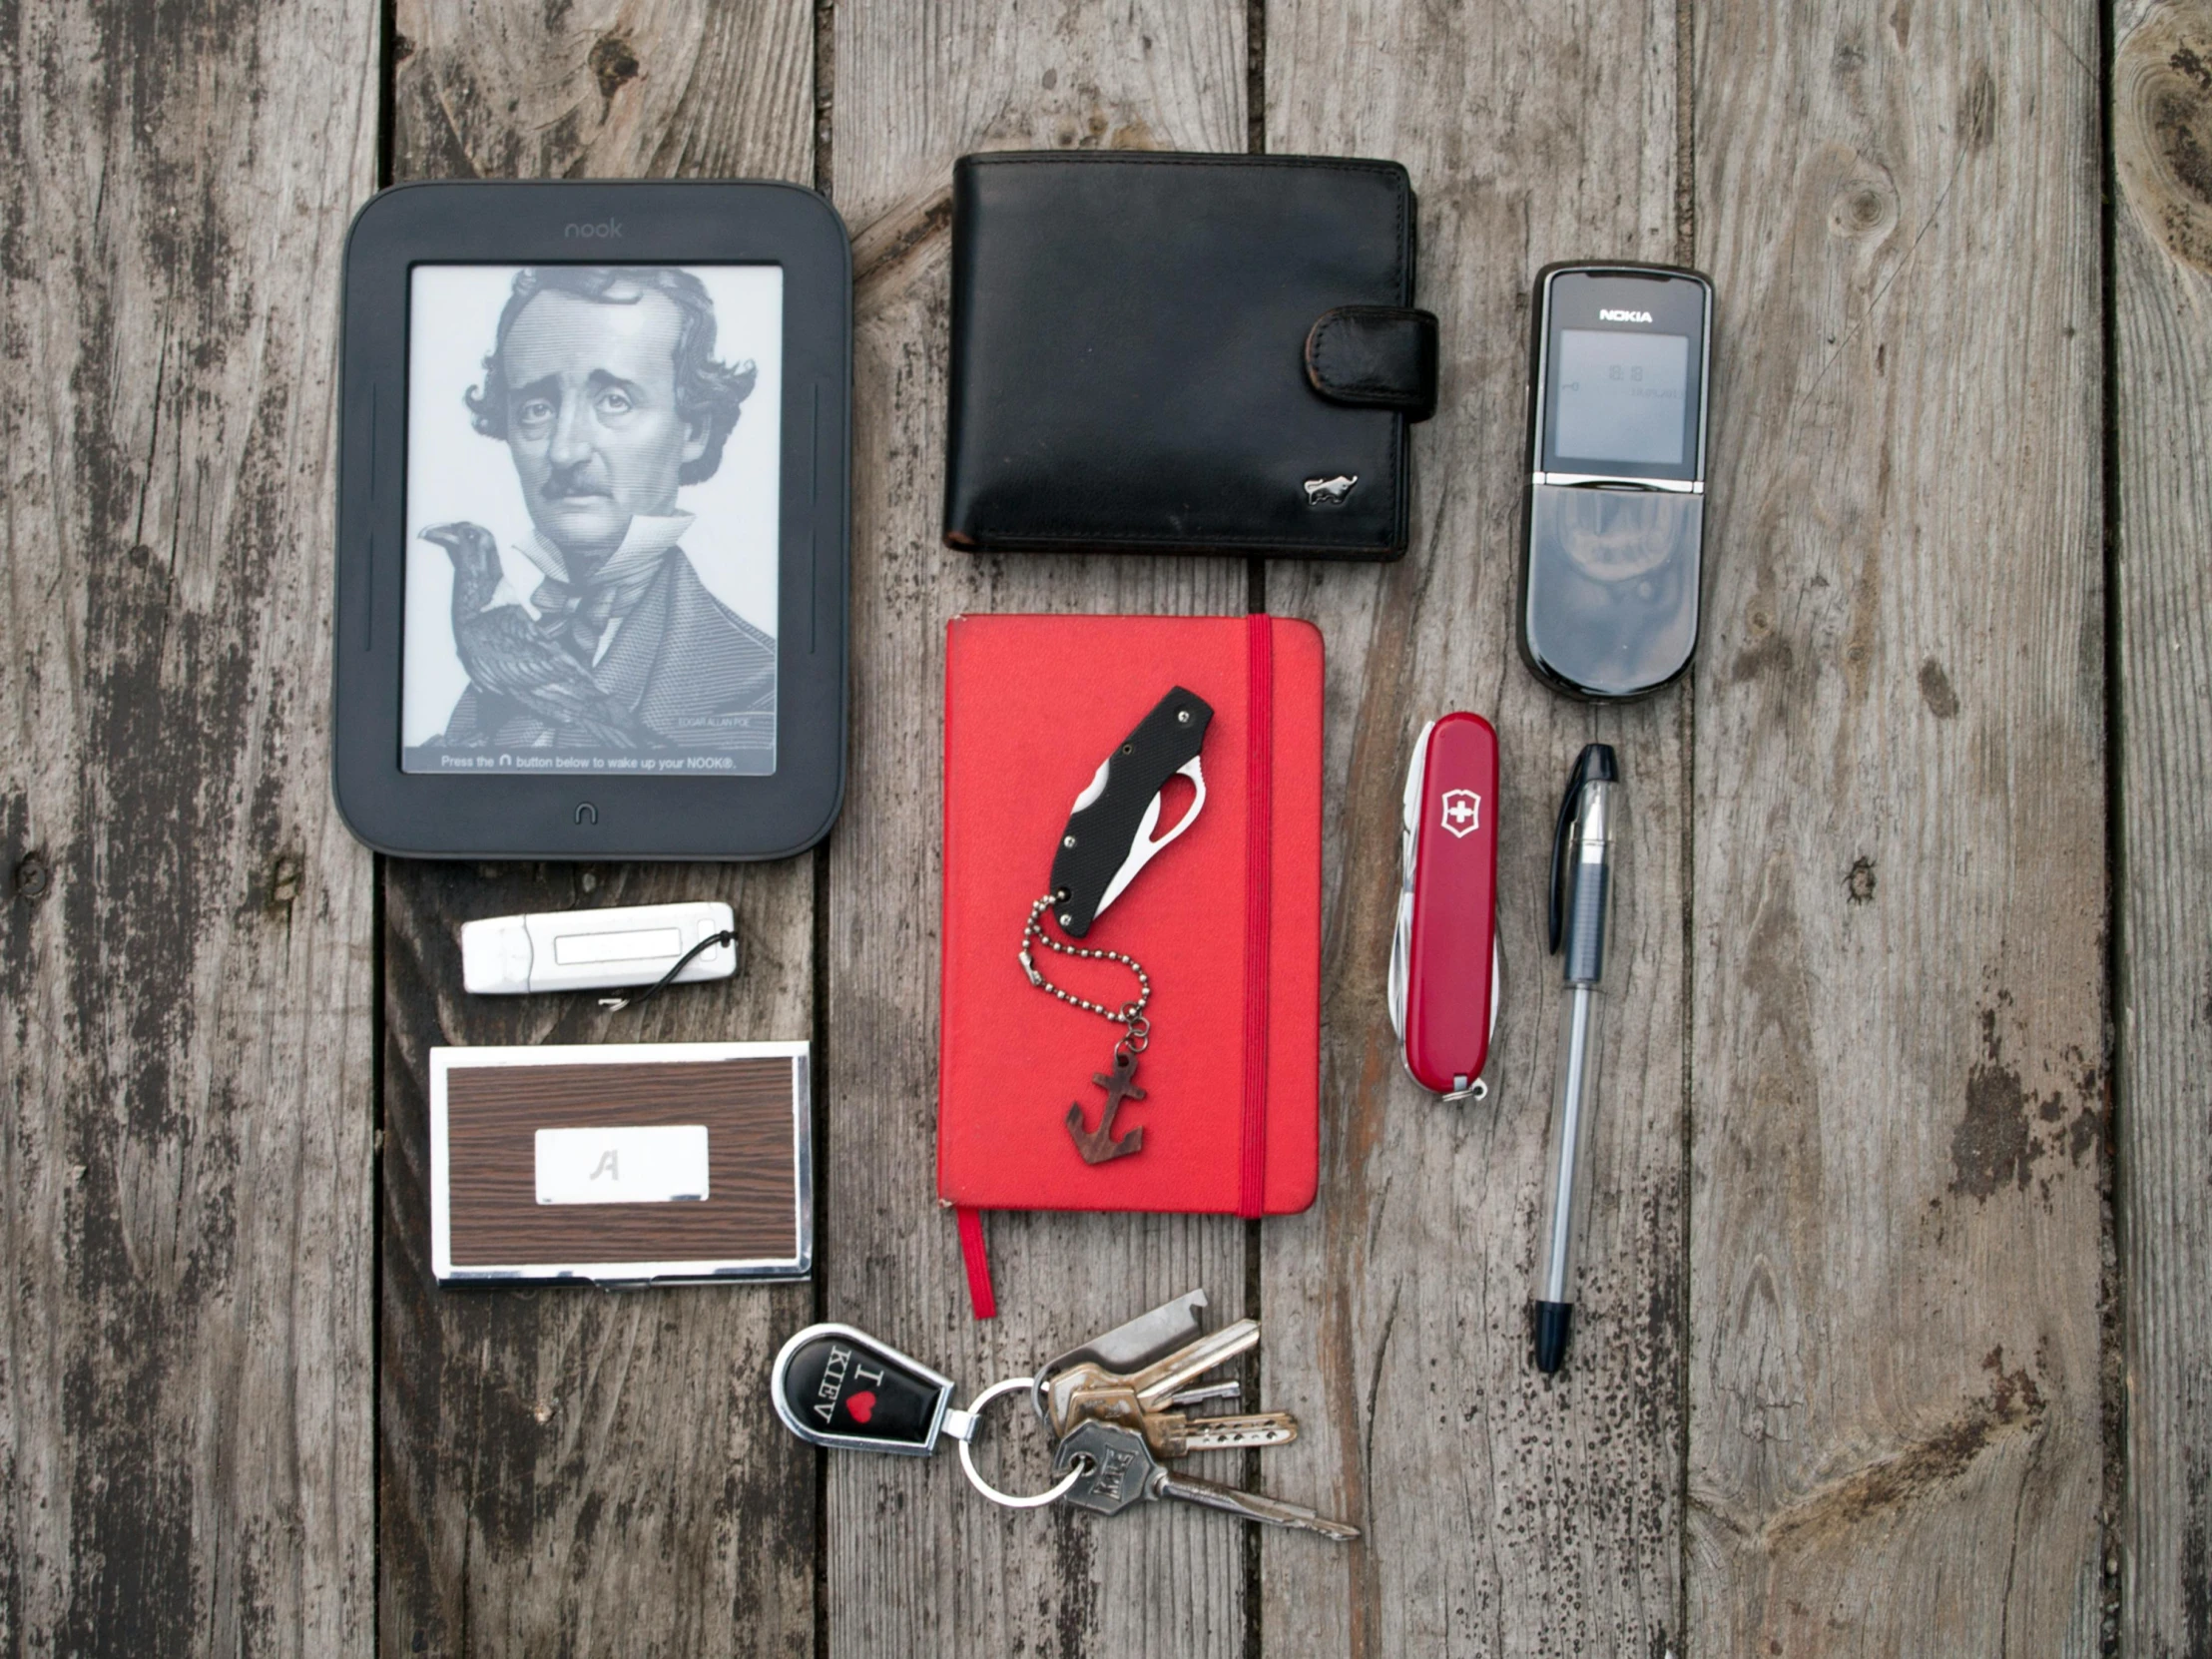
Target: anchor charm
[{"x": 1098, "y": 1145}]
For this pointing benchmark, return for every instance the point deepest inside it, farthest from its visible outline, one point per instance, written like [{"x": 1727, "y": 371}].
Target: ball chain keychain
[
  {"x": 1098, "y": 1145},
  {"x": 1108, "y": 840}
]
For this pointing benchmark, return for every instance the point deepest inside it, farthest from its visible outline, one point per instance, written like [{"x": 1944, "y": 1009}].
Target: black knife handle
[{"x": 1099, "y": 836}]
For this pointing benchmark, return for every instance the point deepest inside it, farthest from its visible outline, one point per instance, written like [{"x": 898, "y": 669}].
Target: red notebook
[{"x": 1226, "y": 920}]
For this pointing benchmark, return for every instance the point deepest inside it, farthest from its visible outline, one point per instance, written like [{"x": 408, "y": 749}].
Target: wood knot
[
  {"x": 284, "y": 882},
  {"x": 1977, "y": 118},
  {"x": 1864, "y": 207},
  {"x": 1936, "y": 690},
  {"x": 2163, "y": 128},
  {"x": 1859, "y": 885},
  {"x": 614, "y": 65}
]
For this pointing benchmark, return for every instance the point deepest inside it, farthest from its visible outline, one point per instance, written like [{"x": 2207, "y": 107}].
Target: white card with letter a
[{"x": 663, "y": 1165}]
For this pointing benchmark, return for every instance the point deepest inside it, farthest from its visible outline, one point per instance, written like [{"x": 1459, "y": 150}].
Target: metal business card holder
[{"x": 621, "y": 1163}]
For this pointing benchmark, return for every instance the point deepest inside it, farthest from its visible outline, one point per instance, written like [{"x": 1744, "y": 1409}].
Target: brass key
[{"x": 1144, "y": 1399}]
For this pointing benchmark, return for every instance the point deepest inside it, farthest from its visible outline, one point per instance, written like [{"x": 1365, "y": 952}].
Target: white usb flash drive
[{"x": 576, "y": 950}]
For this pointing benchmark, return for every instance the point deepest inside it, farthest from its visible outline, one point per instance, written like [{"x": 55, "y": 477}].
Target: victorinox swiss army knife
[
  {"x": 1444, "y": 953},
  {"x": 1110, "y": 838}
]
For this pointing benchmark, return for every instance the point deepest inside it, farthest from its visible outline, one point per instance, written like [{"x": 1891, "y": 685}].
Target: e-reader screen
[
  {"x": 592, "y": 518},
  {"x": 1621, "y": 396}
]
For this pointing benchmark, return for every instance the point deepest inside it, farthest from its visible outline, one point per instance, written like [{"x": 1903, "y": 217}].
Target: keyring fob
[
  {"x": 1444, "y": 955},
  {"x": 840, "y": 1387}
]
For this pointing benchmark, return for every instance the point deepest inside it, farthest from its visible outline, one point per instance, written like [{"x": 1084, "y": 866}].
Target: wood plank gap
[
  {"x": 1256, "y": 1399},
  {"x": 1256, "y": 81},
  {"x": 825, "y": 141},
  {"x": 819, "y": 1090},
  {"x": 1685, "y": 254},
  {"x": 387, "y": 130},
  {"x": 825, "y": 90},
  {"x": 376, "y": 1225},
  {"x": 386, "y": 136},
  {"x": 2112, "y": 1300},
  {"x": 1685, "y": 137},
  {"x": 1255, "y": 602},
  {"x": 1686, "y": 1274}
]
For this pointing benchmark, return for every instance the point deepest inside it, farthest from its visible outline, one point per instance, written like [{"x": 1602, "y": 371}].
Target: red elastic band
[
  {"x": 978, "y": 1265},
  {"x": 1258, "y": 837}
]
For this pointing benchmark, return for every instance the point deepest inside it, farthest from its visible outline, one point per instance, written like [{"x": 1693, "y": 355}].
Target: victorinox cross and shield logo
[{"x": 1462, "y": 811}]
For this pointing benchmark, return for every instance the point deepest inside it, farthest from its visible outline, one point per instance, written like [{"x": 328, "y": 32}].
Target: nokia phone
[{"x": 1613, "y": 522}]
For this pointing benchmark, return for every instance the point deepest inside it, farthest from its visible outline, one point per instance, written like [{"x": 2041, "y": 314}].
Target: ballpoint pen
[{"x": 1581, "y": 893}]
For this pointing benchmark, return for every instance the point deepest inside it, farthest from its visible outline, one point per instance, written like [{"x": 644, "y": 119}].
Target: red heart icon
[{"x": 862, "y": 1405}]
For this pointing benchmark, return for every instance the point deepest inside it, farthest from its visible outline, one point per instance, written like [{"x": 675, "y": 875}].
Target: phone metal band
[
  {"x": 1675, "y": 487},
  {"x": 961, "y": 1427}
]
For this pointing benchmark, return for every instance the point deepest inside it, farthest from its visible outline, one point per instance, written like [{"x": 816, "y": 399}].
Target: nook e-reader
[{"x": 593, "y": 520}]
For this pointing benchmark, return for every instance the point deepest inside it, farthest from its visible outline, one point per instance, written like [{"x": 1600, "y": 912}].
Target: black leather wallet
[{"x": 1158, "y": 353}]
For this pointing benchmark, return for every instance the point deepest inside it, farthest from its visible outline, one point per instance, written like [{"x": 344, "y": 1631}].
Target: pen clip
[{"x": 1565, "y": 827}]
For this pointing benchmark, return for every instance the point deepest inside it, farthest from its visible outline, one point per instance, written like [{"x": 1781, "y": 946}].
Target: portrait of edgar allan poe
[{"x": 603, "y": 384}]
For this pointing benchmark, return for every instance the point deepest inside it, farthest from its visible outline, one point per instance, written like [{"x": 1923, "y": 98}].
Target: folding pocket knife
[{"x": 1109, "y": 835}]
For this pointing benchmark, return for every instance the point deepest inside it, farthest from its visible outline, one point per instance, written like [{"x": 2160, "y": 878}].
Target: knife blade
[{"x": 1109, "y": 835}]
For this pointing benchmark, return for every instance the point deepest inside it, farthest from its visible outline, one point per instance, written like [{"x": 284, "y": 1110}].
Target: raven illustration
[{"x": 509, "y": 656}]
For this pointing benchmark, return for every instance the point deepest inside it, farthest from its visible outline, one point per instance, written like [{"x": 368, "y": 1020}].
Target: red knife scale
[{"x": 1451, "y": 953}]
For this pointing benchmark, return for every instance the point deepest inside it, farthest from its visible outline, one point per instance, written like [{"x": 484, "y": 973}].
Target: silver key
[{"x": 1120, "y": 1471}]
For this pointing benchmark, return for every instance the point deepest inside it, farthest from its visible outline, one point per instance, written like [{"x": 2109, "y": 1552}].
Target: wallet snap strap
[{"x": 1376, "y": 356}]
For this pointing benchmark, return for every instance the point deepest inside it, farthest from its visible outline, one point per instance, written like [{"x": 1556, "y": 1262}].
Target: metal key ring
[{"x": 961, "y": 1427}]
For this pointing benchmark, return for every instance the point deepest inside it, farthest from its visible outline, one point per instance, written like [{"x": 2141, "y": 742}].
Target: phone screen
[{"x": 1621, "y": 396}]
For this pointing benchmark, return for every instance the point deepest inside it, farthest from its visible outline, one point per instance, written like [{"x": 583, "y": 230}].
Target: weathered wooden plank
[
  {"x": 185, "y": 949},
  {"x": 608, "y": 89},
  {"x": 2161, "y": 111},
  {"x": 566, "y": 1471},
  {"x": 1504, "y": 1514},
  {"x": 1899, "y": 891},
  {"x": 917, "y": 1563}
]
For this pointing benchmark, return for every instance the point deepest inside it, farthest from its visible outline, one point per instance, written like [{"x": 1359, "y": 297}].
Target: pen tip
[{"x": 1551, "y": 1322}]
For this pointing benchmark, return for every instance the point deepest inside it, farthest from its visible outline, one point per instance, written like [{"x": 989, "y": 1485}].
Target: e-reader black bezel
[{"x": 607, "y": 814}]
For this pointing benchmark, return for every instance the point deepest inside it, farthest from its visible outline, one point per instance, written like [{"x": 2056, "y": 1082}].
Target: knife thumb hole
[{"x": 1178, "y": 795}]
